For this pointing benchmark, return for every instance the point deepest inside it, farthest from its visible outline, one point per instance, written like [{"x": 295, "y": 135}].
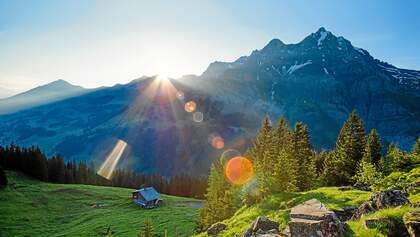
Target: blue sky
[{"x": 95, "y": 43}]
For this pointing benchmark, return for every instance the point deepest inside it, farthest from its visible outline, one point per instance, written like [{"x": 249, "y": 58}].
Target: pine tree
[
  {"x": 284, "y": 175},
  {"x": 348, "y": 152},
  {"x": 415, "y": 152},
  {"x": 262, "y": 155},
  {"x": 396, "y": 160},
  {"x": 218, "y": 204},
  {"x": 3, "y": 177},
  {"x": 373, "y": 147},
  {"x": 147, "y": 229},
  {"x": 303, "y": 156}
]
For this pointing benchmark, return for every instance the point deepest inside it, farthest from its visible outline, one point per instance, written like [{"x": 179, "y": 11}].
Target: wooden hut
[{"x": 147, "y": 197}]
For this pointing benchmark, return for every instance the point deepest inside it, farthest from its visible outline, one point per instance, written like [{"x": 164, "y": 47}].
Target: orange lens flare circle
[
  {"x": 190, "y": 106},
  {"x": 218, "y": 142},
  {"x": 239, "y": 170}
]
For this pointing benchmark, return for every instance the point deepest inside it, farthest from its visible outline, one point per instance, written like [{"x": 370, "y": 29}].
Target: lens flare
[
  {"x": 239, "y": 170},
  {"x": 180, "y": 95},
  {"x": 228, "y": 155},
  {"x": 218, "y": 142},
  {"x": 190, "y": 106},
  {"x": 198, "y": 117},
  {"x": 107, "y": 168}
]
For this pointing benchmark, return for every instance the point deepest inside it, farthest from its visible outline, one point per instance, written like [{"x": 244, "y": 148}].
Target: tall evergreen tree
[
  {"x": 303, "y": 156},
  {"x": 262, "y": 155},
  {"x": 348, "y": 152},
  {"x": 285, "y": 172},
  {"x": 373, "y": 148},
  {"x": 218, "y": 205},
  {"x": 415, "y": 152}
]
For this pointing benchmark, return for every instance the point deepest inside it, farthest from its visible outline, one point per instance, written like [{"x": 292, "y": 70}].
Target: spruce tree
[
  {"x": 303, "y": 156},
  {"x": 218, "y": 204},
  {"x": 349, "y": 150},
  {"x": 415, "y": 152},
  {"x": 284, "y": 175},
  {"x": 147, "y": 229},
  {"x": 262, "y": 154},
  {"x": 373, "y": 147}
]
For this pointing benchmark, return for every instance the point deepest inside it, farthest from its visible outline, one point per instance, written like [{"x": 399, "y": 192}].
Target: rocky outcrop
[
  {"x": 346, "y": 213},
  {"x": 215, "y": 229},
  {"x": 391, "y": 198},
  {"x": 262, "y": 227},
  {"x": 312, "y": 218},
  {"x": 379, "y": 200},
  {"x": 412, "y": 223},
  {"x": 363, "y": 209}
]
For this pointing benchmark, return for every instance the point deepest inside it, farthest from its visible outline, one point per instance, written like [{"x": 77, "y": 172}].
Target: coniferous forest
[
  {"x": 285, "y": 161},
  {"x": 33, "y": 163}
]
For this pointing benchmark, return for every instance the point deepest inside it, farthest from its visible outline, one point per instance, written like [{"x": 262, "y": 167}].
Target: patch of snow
[
  {"x": 322, "y": 37},
  {"x": 298, "y": 66},
  {"x": 359, "y": 50}
]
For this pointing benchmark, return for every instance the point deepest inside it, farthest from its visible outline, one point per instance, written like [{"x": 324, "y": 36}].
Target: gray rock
[
  {"x": 262, "y": 226},
  {"x": 363, "y": 209},
  {"x": 215, "y": 229},
  {"x": 392, "y": 198},
  {"x": 346, "y": 213},
  {"x": 312, "y": 218}
]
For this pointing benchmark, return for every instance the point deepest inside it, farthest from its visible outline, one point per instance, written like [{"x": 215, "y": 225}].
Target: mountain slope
[
  {"x": 319, "y": 81},
  {"x": 33, "y": 208},
  {"x": 51, "y": 92},
  {"x": 4, "y": 93}
]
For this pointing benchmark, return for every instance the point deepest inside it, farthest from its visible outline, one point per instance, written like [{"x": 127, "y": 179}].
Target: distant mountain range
[
  {"x": 51, "y": 92},
  {"x": 319, "y": 81}
]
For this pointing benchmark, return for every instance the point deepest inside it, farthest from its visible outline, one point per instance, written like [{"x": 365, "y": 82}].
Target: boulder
[
  {"x": 346, "y": 213},
  {"x": 262, "y": 226},
  {"x": 215, "y": 229},
  {"x": 363, "y": 209},
  {"x": 412, "y": 223},
  {"x": 391, "y": 198},
  {"x": 312, "y": 218}
]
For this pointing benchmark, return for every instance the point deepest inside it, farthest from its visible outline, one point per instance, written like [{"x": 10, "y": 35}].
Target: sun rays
[
  {"x": 107, "y": 168},
  {"x": 175, "y": 106}
]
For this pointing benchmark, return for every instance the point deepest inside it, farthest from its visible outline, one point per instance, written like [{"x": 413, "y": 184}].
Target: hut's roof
[{"x": 149, "y": 193}]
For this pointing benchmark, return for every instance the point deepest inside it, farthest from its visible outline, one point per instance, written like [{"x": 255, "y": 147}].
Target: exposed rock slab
[
  {"x": 391, "y": 198},
  {"x": 262, "y": 226},
  {"x": 215, "y": 229},
  {"x": 312, "y": 218}
]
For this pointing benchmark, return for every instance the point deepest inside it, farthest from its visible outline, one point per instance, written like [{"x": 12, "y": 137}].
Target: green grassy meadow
[
  {"x": 277, "y": 207},
  {"x": 32, "y": 208}
]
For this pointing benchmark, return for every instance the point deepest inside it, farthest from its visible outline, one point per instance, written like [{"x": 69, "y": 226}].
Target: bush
[{"x": 367, "y": 174}]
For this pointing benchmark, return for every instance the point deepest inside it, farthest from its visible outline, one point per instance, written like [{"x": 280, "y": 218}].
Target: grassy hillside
[
  {"x": 32, "y": 208},
  {"x": 277, "y": 208}
]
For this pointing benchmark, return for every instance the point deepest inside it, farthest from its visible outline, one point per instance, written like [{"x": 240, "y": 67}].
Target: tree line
[
  {"x": 34, "y": 163},
  {"x": 284, "y": 160}
]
